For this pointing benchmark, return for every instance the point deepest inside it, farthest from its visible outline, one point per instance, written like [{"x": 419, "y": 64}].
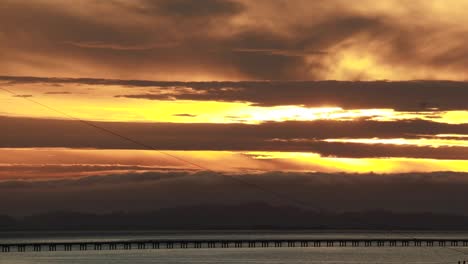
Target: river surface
[{"x": 234, "y": 255}]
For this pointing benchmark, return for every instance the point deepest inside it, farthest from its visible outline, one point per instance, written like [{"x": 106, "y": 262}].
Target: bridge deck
[{"x": 228, "y": 243}]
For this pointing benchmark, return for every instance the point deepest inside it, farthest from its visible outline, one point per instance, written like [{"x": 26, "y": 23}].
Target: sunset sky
[{"x": 283, "y": 94}]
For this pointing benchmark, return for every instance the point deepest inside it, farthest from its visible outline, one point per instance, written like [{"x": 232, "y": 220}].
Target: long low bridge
[{"x": 228, "y": 243}]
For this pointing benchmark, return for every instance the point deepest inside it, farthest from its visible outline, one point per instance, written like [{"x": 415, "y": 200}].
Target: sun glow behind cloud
[
  {"x": 97, "y": 106},
  {"x": 357, "y": 65}
]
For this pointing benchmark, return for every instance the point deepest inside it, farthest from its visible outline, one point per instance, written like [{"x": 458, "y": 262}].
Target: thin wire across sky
[{"x": 277, "y": 195}]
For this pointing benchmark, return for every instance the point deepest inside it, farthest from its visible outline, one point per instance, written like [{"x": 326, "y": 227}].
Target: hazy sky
[{"x": 356, "y": 93}]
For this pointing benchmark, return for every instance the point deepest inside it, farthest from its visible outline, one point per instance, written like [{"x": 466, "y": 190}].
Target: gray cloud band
[
  {"x": 416, "y": 192},
  {"x": 404, "y": 95},
  {"x": 25, "y": 132}
]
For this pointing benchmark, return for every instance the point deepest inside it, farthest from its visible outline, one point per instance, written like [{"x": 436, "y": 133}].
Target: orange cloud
[
  {"x": 233, "y": 40},
  {"x": 43, "y": 163}
]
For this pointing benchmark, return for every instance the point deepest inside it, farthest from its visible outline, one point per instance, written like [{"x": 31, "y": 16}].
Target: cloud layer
[
  {"x": 273, "y": 136},
  {"x": 423, "y": 192},
  {"x": 402, "y": 96},
  {"x": 235, "y": 39},
  {"x": 211, "y": 65}
]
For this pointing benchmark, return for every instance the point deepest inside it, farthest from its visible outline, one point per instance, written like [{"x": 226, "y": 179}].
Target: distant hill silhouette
[
  {"x": 245, "y": 216},
  {"x": 6, "y": 221}
]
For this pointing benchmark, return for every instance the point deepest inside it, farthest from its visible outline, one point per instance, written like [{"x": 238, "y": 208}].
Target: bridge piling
[
  {"x": 5, "y": 248},
  {"x": 112, "y": 246},
  {"x": 226, "y": 243}
]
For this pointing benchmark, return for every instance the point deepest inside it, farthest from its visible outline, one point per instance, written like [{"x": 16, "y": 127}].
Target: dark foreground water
[{"x": 236, "y": 255}]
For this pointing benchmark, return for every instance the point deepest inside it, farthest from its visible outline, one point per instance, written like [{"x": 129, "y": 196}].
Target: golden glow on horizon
[
  {"x": 364, "y": 165},
  {"x": 213, "y": 160}
]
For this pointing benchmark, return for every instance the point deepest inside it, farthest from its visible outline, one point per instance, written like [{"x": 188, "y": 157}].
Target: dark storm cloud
[
  {"x": 273, "y": 136},
  {"x": 403, "y": 95},
  {"x": 415, "y": 192}
]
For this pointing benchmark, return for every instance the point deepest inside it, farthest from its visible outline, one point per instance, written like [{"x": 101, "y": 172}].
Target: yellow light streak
[
  {"x": 361, "y": 165},
  {"x": 237, "y": 162},
  {"x": 452, "y": 135},
  {"x": 96, "y": 104}
]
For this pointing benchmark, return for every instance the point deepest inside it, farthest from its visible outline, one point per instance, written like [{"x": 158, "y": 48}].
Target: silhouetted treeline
[{"x": 246, "y": 216}]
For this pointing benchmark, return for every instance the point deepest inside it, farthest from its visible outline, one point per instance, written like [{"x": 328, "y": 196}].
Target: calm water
[{"x": 234, "y": 255}]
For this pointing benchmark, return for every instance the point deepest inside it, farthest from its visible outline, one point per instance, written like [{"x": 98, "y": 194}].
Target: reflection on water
[{"x": 246, "y": 255}]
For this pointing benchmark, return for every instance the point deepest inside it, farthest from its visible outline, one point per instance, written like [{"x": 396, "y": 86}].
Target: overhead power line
[{"x": 275, "y": 194}]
